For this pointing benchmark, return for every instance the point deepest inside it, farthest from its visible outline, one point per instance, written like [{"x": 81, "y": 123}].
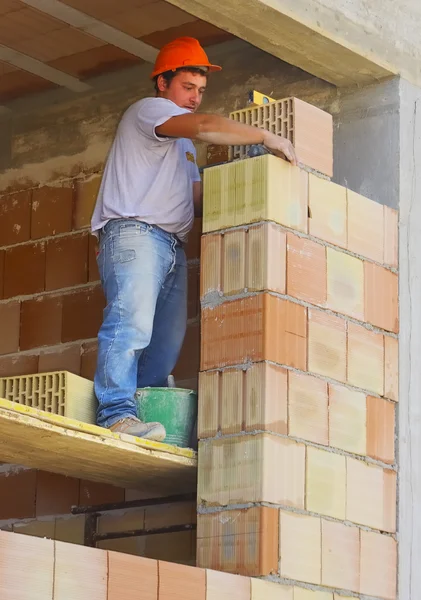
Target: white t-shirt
[{"x": 147, "y": 177}]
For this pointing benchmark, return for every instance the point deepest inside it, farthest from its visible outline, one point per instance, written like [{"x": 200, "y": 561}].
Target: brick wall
[
  {"x": 51, "y": 306},
  {"x": 59, "y": 570},
  {"x": 299, "y": 381}
]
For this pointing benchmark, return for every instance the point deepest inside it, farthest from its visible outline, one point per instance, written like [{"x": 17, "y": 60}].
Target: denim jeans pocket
[{"x": 127, "y": 239}]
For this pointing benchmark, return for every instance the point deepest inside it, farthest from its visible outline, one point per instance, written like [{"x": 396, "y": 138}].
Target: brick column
[{"x": 298, "y": 382}]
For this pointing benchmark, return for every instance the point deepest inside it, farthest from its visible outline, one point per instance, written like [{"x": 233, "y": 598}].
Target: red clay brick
[
  {"x": 56, "y": 494},
  {"x": 92, "y": 493},
  {"x": 15, "y": 218},
  {"x": 89, "y": 359},
  {"x": 193, "y": 242},
  {"x": 52, "y": 209},
  {"x": 216, "y": 154},
  {"x": 66, "y": 262},
  {"x": 17, "y": 495},
  {"x": 19, "y": 364},
  {"x": 86, "y": 194},
  {"x": 172, "y": 578},
  {"x": 82, "y": 314},
  {"x": 2, "y": 254},
  {"x": 24, "y": 270},
  {"x": 306, "y": 270},
  {"x": 381, "y": 297},
  {"x": 61, "y": 358},
  {"x": 258, "y": 328},
  {"x": 193, "y": 291},
  {"x": 93, "y": 273},
  {"x": 187, "y": 366},
  {"x": 9, "y": 327},
  {"x": 41, "y": 321}
]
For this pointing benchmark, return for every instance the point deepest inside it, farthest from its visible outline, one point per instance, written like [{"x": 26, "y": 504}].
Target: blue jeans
[{"x": 144, "y": 276}]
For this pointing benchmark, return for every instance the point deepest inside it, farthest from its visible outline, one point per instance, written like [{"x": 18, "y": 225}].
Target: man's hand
[{"x": 280, "y": 146}]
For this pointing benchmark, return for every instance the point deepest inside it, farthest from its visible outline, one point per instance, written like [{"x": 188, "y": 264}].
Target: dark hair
[{"x": 169, "y": 75}]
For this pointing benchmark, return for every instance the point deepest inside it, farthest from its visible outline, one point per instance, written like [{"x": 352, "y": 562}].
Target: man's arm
[{"x": 215, "y": 129}]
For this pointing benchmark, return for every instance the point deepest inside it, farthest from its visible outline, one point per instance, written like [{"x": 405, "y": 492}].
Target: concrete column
[{"x": 410, "y": 343}]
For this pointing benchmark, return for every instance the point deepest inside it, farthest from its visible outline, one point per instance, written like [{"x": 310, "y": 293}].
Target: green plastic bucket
[{"x": 175, "y": 408}]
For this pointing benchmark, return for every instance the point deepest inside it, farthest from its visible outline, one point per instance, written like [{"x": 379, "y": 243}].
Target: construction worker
[{"x": 149, "y": 194}]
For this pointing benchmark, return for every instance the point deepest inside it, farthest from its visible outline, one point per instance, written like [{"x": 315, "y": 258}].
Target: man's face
[{"x": 185, "y": 89}]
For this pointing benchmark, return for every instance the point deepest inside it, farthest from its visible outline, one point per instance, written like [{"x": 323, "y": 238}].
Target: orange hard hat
[{"x": 182, "y": 52}]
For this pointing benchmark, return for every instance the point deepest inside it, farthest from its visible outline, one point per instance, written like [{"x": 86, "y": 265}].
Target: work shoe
[{"x": 133, "y": 426}]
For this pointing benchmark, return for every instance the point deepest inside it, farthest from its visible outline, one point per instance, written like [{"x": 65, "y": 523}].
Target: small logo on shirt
[{"x": 190, "y": 157}]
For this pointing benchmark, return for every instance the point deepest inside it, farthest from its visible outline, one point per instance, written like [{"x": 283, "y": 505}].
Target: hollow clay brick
[
  {"x": 41, "y": 322},
  {"x": 235, "y": 400},
  {"x": 192, "y": 247},
  {"x": 308, "y": 408},
  {"x": 365, "y": 227},
  {"x": 26, "y": 566},
  {"x": 18, "y": 364},
  {"x": 381, "y": 429},
  {"x": 66, "y": 262},
  {"x": 82, "y": 314},
  {"x": 347, "y": 419},
  {"x": 61, "y": 358},
  {"x": 326, "y": 483},
  {"x": 306, "y": 270},
  {"x": 225, "y": 586},
  {"x": 92, "y": 492},
  {"x": 327, "y": 211},
  {"x": 300, "y": 547},
  {"x": 56, "y": 494},
  {"x": 340, "y": 556},
  {"x": 91, "y": 566},
  {"x": 381, "y": 297},
  {"x": 93, "y": 272},
  {"x": 89, "y": 360},
  {"x": 371, "y": 495},
  {"x": 52, "y": 209},
  {"x": 365, "y": 358},
  {"x": 378, "y": 566},
  {"x": 266, "y": 590},
  {"x": 2, "y": 255},
  {"x": 391, "y": 237},
  {"x": 245, "y": 542},
  {"x": 244, "y": 260},
  {"x": 24, "y": 270},
  {"x": 326, "y": 345},
  {"x": 131, "y": 577},
  {"x": 391, "y": 368},
  {"x": 18, "y": 494},
  {"x": 261, "y": 327},
  {"x": 239, "y": 470},
  {"x": 345, "y": 284},
  {"x": 187, "y": 366},
  {"x": 85, "y": 198},
  {"x": 180, "y": 582},
  {"x": 9, "y": 327},
  {"x": 193, "y": 283},
  {"x": 265, "y": 188},
  {"x": 15, "y": 218}
]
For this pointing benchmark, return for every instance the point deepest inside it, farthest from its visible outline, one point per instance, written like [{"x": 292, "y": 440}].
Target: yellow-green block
[{"x": 264, "y": 188}]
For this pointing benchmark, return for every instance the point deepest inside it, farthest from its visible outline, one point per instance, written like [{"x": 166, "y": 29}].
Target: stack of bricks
[
  {"x": 62, "y": 571},
  {"x": 51, "y": 301},
  {"x": 298, "y": 384}
]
